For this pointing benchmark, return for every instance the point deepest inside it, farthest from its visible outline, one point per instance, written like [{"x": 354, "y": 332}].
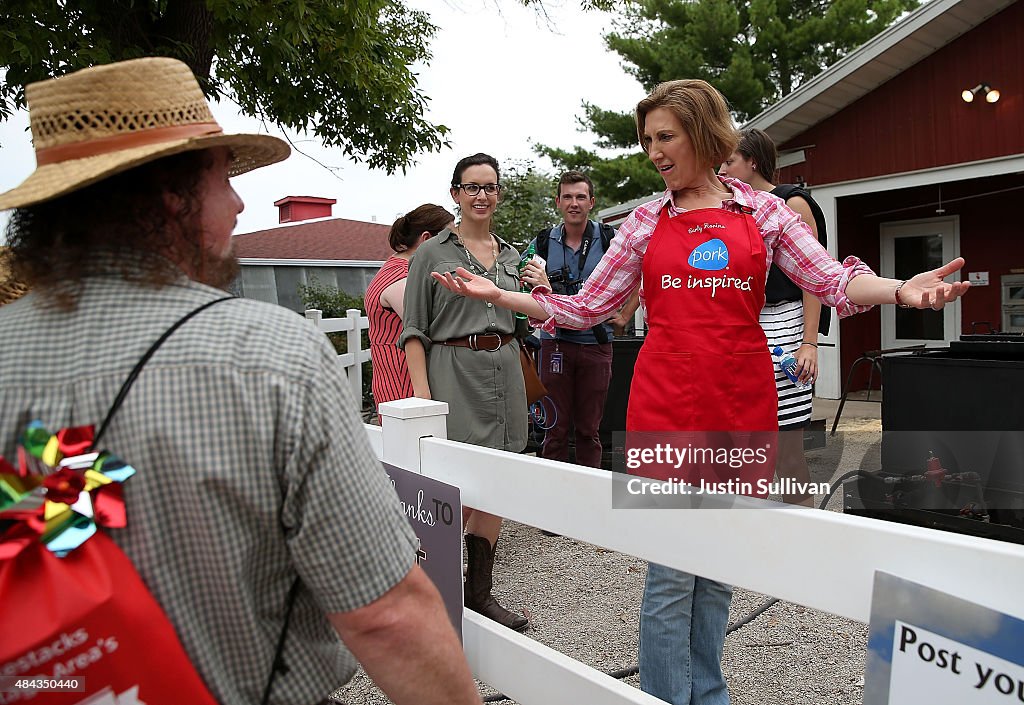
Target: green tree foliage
[
  {"x": 340, "y": 70},
  {"x": 616, "y": 179},
  {"x": 754, "y": 51},
  {"x": 527, "y": 203}
]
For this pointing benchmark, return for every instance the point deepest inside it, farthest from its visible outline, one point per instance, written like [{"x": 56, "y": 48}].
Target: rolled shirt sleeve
[
  {"x": 802, "y": 258},
  {"x": 417, "y": 302}
]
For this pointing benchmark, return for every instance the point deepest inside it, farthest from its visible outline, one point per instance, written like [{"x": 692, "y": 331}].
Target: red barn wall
[
  {"x": 991, "y": 240},
  {"x": 917, "y": 120}
]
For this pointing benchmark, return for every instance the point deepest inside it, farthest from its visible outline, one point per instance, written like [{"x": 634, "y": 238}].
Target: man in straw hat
[{"x": 253, "y": 472}]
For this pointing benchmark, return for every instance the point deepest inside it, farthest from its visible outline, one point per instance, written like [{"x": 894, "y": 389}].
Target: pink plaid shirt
[{"x": 787, "y": 238}]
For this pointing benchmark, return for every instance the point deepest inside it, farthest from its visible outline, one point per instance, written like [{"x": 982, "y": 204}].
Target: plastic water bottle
[{"x": 788, "y": 364}]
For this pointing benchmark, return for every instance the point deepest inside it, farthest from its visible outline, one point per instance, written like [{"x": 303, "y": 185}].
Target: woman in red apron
[{"x": 702, "y": 251}]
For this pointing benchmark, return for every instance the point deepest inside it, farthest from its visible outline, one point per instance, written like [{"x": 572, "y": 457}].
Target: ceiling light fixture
[{"x": 990, "y": 93}]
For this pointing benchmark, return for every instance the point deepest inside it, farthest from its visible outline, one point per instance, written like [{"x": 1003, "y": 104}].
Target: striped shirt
[
  {"x": 790, "y": 244},
  {"x": 390, "y": 372},
  {"x": 252, "y": 469}
]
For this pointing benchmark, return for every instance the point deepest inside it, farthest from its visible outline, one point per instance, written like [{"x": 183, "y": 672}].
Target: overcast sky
[{"x": 498, "y": 80}]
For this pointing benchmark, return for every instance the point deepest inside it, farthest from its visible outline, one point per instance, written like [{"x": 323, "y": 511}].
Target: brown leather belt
[{"x": 488, "y": 342}]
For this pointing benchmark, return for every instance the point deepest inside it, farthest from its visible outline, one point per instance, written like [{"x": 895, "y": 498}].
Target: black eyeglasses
[{"x": 474, "y": 189}]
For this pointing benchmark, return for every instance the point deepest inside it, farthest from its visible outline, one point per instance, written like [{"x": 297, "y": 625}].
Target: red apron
[{"x": 705, "y": 365}]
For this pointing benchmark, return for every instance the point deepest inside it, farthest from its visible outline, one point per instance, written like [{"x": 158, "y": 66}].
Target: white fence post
[
  {"x": 314, "y": 316},
  {"x": 404, "y": 422},
  {"x": 355, "y": 377}
]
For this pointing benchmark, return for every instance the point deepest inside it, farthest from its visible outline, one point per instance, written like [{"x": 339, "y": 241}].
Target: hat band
[{"x": 128, "y": 140}]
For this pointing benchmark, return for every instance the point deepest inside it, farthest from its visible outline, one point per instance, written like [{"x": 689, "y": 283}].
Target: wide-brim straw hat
[{"x": 100, "y": 121}]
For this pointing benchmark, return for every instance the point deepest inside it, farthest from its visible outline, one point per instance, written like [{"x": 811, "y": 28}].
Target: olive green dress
[{"x": 485, "y": 391}]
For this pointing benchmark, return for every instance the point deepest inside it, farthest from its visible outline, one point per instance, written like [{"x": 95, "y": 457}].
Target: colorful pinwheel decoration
[{"x": 60, "y": 490}]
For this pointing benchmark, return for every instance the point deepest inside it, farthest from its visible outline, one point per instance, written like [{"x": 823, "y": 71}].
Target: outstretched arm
[
  {"x": 464, "y": 282},
  {"x": 850, "y": 286},
  {"x": 924, "y": 290}
]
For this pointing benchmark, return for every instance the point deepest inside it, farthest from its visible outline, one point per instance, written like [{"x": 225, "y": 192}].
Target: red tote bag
[{"x": 90, "y": 615}]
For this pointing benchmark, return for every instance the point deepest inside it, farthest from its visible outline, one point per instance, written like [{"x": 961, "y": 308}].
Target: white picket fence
[
  {"x": 353, "y": 324},
  {"x": 833, "y": 570}
]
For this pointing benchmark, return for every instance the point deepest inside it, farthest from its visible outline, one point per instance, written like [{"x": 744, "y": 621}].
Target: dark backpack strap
[
  {"x": 787, "y": 191},
  {"x": 606, "y": 233},
  {"x": 278, "y": 665},
  {"x": 126, "y": 387},
  {"x": 543, "y": 243}
]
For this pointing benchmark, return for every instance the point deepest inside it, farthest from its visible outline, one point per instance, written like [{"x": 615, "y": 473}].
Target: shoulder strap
[
  {"x": 607, "y": 233},
  {"x": 544, "y": 242},
  {"x": 787, "y": 191},
  {"x": 126, "y": 387}
]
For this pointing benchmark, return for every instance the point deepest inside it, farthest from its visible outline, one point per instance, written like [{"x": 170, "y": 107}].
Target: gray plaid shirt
[{"x": 253, "y": 468}]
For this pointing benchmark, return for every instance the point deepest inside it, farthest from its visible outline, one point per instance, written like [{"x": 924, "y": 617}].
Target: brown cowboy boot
[{"x": 479, "y": 582}]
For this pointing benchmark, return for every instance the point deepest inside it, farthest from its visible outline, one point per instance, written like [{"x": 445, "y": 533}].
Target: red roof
[
  {"x": 306, "y": 199},
  {"x": 334, "y": 239}
]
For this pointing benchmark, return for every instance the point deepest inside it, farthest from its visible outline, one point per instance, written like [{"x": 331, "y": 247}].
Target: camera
[{"x": 562, "y": 281}]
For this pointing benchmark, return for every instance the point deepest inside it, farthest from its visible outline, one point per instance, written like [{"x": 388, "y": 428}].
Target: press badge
[{"x": 556, "y": 363}]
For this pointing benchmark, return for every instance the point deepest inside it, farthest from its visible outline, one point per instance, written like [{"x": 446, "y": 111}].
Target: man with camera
[{"x": 575, "y": 366}]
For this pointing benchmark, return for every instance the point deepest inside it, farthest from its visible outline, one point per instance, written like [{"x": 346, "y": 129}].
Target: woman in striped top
[
  {"x": 791, "y": 318},
  {"x": 384, "y": 300}
]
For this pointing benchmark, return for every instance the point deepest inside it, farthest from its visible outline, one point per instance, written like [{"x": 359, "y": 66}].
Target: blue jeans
[{"x": 683, "y": 620}]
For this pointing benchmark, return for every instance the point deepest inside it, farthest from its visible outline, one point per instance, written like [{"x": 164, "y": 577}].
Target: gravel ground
[{"x": 584, "y": 601}]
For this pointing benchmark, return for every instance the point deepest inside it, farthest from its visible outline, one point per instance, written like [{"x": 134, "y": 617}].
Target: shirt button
[
  {"x": 501, "y": 395},
  {"x": 490, "y": 305},
  {"x": 501, "y": 421},
  {"x": 494, "y": 325},
  {"x": 499, "y": 367}
]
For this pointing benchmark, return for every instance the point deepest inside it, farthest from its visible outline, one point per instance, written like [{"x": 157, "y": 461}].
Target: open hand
[
  {"x": 927, "y": 290},
  {"x": 465, "y": 283}
]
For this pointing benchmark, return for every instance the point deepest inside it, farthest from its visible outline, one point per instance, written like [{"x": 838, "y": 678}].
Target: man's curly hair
[{"x": 53, "y": 244}]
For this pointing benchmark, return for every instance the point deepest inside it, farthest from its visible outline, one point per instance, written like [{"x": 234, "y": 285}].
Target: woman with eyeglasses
[
  {"x": 465, "y": 352},
  {"x": 385, "y": 300}
]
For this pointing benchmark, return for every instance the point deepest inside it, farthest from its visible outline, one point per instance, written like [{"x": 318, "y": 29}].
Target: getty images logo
[{"x": 712, "y": 256}]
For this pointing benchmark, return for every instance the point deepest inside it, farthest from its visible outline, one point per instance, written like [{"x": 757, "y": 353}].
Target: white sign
[
  {"x": 978, "y": 278},
  {"x": 929, "y": 668},
  {"x": 927, "y": 647}
]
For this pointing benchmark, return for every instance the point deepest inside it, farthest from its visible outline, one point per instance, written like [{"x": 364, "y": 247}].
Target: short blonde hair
[{"x": 703, "y": 112}]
